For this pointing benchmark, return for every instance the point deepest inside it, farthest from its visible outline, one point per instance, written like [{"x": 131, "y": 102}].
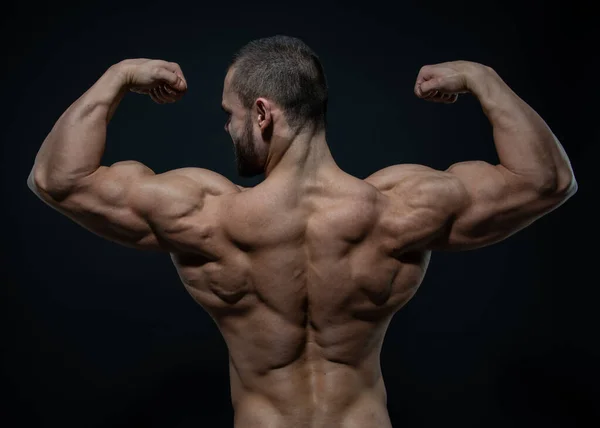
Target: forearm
[
  {"x": 75, "y": 145},
  {"x": 525, "y": 144}
]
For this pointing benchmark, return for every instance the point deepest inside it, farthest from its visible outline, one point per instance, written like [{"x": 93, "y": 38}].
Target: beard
[{"x": 246, "y": 155}]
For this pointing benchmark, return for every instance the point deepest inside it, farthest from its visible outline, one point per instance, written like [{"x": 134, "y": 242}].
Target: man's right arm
[{"x": 474, "y": 204}]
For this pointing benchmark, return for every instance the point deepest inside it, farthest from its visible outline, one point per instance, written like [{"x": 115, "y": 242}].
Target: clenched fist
[
  {"x": 162, "y": 80},
  {"x": 443, "y": 82}
]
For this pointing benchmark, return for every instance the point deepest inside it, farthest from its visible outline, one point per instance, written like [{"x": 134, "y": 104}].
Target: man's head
[{"x": 274, "y": 86}]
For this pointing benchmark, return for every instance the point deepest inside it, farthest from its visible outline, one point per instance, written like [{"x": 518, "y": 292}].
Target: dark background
[{"x": 99, "y": 335}]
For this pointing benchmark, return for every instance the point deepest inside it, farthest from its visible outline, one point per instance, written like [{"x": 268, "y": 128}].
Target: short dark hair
[{"x": 285, "y": 70}]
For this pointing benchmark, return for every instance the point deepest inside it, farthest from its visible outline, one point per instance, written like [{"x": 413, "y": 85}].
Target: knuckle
[{"x": 175, "y": 68}]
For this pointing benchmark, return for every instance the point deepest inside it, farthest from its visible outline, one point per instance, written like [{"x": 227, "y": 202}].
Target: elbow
[
  {"x": 38, "y": 184},
  {"x": 562, "y": 189},
  {"x": 35, "y": 181},
  {"x": 566, "y": 184},
  {"x": 31, "y": 182},
  {"x": 560, "y": 183},
  {"x": 569, "y": 188}
]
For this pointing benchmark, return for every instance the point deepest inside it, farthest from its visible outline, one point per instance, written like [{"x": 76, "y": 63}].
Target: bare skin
[{"x": 303, "y": 273}]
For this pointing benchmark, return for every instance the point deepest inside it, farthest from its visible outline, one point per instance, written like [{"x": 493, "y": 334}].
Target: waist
[
  {"x": 322, "y": 393},
  {"x": 366, "y": 410}
]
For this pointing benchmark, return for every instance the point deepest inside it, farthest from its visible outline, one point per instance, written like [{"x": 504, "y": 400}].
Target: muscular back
[
  {"x": 302, "y": 276},
  {"x": 302, "y": 287}
]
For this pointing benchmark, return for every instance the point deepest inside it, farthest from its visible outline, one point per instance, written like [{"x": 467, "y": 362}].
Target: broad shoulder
[
  {"x": 413, "y": 185},
  {"x": 416, "y": 202},
  {"x": 201, "y": 178},
  {"x": 186, "y": 209},
  {"x": 213, "y": 181},
  {"x": 178, "y": 192},
  {"x": 392, "y": 177}
]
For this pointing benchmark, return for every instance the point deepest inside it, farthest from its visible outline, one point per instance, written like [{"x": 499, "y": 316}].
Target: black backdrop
[{"x": 98, "y": 335}]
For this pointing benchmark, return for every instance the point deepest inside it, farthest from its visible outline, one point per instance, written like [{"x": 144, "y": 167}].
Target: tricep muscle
[
  {"x": 496, "y": 204},
  {"x": 470, "y": 205},
  {"x": 127, "y": 203}
]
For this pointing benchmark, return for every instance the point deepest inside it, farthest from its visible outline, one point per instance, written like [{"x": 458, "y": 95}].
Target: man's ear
[{"x": 263, "y": 109}]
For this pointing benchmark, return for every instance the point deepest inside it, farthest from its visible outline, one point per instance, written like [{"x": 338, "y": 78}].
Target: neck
[{"x": 304, "y": 157}]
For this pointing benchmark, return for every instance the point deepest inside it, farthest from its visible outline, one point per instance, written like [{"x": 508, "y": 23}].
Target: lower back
[{"x": 311, "y": 393}]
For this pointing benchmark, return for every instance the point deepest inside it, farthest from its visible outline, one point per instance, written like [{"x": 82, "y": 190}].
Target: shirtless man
[{"x": 303, "y": 272}]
